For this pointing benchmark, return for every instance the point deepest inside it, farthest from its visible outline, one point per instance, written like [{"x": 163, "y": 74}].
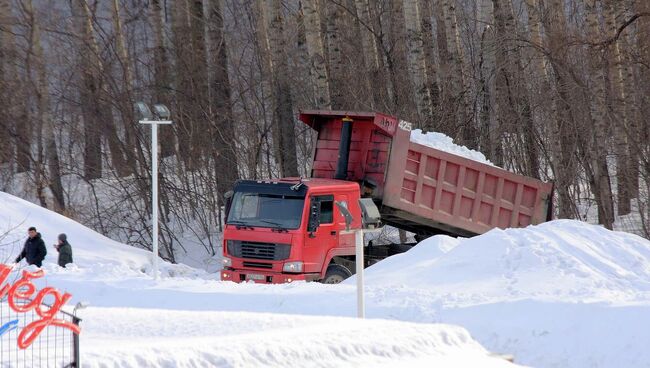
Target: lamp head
[
  {"x": 143, "y": 109},
  {"x": 162, "y": 111}
]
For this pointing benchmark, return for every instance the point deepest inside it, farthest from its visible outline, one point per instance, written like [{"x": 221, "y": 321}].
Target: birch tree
[
  {"x": 161, "y": 73},
  {"x": 45, "y": 120},
  {"x": 318, "y": 66},
  {"x": 283, "y": 105},
  {"x": 602, "y": 187},
  {"x": 15, "y": 112},
  {"x": 6, "y": 85},
  {"x": 222, "y": 129},
  {"x": 417, "y": 63}
]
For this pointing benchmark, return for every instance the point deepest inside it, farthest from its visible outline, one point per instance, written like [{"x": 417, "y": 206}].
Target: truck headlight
[
  {"x": 226, "y": 262},
  {"x": 294, "y": 267}
]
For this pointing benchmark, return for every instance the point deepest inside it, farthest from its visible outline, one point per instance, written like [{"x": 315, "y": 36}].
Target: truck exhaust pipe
[{"x": 344, "y": 149}]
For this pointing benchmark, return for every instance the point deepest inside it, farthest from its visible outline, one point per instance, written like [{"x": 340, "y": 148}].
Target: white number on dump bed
[{"x": 405, "y": 125}]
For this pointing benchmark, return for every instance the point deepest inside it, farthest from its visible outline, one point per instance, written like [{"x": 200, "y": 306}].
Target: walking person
[
  {"x": 64, "y": 249},
  {"x": 34, "y": 250}
]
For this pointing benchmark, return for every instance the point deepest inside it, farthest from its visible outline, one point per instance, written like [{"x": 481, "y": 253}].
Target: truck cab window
[
  {"x": 326, "y": 209},
  {"x": 266, "y": 210}
]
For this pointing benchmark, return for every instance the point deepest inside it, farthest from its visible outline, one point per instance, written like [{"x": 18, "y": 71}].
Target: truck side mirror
[{"x": 314, "y": 216}]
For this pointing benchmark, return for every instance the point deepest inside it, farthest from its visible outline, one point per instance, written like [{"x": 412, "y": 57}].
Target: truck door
[{"x": 322, "y": 234}]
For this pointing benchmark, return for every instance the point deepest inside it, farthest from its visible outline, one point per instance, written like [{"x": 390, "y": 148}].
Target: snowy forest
[{"x": 552, "y": 89}]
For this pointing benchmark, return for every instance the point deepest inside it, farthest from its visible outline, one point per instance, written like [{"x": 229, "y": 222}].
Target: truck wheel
[{"x": 335, "y": 274}]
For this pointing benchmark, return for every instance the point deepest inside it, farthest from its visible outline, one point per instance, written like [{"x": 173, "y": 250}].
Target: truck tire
[{"x": 335, "y": 274}]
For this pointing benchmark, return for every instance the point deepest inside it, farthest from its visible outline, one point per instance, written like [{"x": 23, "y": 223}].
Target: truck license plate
[{"x": 254, "y": 276}]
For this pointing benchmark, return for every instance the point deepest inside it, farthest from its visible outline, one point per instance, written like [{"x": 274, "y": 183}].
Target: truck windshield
[{"x": 266, "y": 210}]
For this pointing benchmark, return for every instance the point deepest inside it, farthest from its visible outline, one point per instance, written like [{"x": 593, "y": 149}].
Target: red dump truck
[{"x": 366, "y": 167}]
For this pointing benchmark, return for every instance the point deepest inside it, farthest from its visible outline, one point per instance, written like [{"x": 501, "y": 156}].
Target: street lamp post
[{"x": 161, "y": 117}]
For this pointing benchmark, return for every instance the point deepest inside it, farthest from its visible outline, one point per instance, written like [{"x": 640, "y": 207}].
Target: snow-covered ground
[{"x": 561, "y": 294}]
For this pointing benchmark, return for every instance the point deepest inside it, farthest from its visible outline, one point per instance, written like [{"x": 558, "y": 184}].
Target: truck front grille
[
  {"x": 258, "y": 250},
  {"x": 258, "y": 265}
]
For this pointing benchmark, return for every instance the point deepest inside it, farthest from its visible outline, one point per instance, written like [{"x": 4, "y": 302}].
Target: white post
[
  {"x": 358, "y": 241},
  {"x": 154, "y": 188},
  {"x": 154, "y": 196}
]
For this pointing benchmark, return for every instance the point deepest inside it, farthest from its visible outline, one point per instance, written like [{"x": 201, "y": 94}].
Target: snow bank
[
  {"x": 89, "y": 248},
  {"x": 159, "y": 338},
  {"x": 559, "y": 260},
  {"x": 560, "y": 294},
  {"x": 442, "y": 142}
]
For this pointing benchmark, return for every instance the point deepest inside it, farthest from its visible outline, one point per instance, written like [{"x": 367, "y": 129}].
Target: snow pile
[
  {"x": 560, "y": 294},
  {"x": 442, "y": 142},
  {"x": 559, "y": 260},
  {"x": 163, "y": 338},
  {"x": 105, "y": 256}
]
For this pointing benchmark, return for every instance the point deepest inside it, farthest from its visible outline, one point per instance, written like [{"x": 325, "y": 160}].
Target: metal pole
[
  {"x": 358, "y": 241},
  {"x": 154, "y": 195},
  {"x": 75, "y": 344},
  {"x": 154, "y": 188}
]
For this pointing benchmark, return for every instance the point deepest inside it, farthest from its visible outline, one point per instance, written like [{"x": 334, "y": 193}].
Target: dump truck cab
[{"x": 290, "y": 229}]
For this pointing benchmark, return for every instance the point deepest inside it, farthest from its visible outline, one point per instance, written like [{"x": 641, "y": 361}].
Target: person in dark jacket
[
  {"x": 65, "y": 250},
  {"x": 34, "y": 250}
]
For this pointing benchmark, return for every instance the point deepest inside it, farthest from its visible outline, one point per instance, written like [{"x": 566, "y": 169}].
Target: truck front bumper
[{"x": 263, "y": 277}]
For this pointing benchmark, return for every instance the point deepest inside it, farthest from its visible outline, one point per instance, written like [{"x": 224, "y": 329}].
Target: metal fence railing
[{"x": 54, "y": 347}]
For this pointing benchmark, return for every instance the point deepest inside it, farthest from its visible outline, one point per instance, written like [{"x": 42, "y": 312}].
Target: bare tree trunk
[
  {"x": 283, "y": 109},
  {"x": 416, "y": 63},
  {"x": 318, "y": 66},
  {"x": 162, "y": 80},
  {"x": 562, "y": 138},
  {"x": 513, "y": 104},
  {"x": 397, "y": 41},
  {"x": 127, "y": 82},
  {"x": 447, "y": 115},
  {"x": 602, "y": 189},
  {"x": 222, "y": 131},
  {"x": 386, "y": 79},
  {"x": 266, "y": 71},
  {"x": 6, "y": 82},
  {"x": 97, "y": 114},
  {"x": 45, "y": 120},
  {"x": 619, "y": 110},
  {"x": 89, "y": 91},
  {"x": 426, "y": 18},
  {"x": 463, "y": 126},
  {"x": 457, "y": 78},
  {"x": 369, "y": 51},
  {"x": 16, "y": 113},
  {"x": 180, "y": 18},
  {"x": 640, "y": 78},
  {"x": 335, "y": 60},
  {"x": 491, "y": 134},
  {"x": 200, "y": 85}
]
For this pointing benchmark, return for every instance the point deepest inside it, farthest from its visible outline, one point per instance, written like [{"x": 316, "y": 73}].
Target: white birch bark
[
  {"x": 416, "y": 62},
  {"x": 318, "y": 66}
]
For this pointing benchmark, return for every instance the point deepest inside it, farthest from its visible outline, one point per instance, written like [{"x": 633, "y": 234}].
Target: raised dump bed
[{"x": 420, "y": 188}]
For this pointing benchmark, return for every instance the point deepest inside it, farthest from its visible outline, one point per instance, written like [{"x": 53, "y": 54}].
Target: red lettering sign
[{"x": 23, "y": 290}]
